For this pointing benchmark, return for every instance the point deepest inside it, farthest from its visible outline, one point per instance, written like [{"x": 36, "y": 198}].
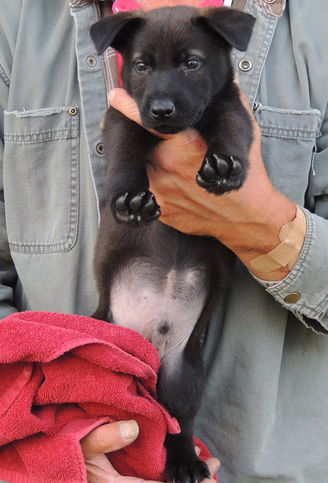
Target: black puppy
[{"x": 151, "y": 278}]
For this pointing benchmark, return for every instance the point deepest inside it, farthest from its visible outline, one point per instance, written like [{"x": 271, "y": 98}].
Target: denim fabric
[
  {"x": 51, "y": 196},
  {"x": 48, "y": 184},
  {"x": 291, "y": 119}
]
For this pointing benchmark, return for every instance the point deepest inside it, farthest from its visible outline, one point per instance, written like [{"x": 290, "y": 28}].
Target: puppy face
[
  {"x": 175, "y": 60},
  {"x": 172, "y": 69}
]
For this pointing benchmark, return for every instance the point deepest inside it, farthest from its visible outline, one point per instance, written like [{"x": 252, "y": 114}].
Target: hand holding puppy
[
  {"x": 247, "y": 221},
  {"x": 111, "y": 437}
]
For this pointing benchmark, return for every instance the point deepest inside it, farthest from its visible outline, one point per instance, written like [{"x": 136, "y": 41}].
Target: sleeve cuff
[{"x": 304, "y": 290}]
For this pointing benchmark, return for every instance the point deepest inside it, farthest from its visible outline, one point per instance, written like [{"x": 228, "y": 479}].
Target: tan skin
[
  {"x": 247, "y": 221},
  {"x": 108, "y": 438}
]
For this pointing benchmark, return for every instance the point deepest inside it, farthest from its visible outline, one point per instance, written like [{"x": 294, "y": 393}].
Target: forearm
[{"x": 257, "y": 234}]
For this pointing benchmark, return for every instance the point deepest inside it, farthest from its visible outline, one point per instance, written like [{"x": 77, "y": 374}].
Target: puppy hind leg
[
  {"x": 183, "y": 464},
  {"x": 180, "y": 388}
]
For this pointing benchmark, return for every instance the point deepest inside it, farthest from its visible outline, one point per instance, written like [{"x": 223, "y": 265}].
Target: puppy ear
[
  {"x": 234, "y": 26},
  {"x": 115, "y": 30}
]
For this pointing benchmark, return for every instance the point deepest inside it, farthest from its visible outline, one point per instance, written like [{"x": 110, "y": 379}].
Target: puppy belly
[{"x": 161, "y": 304}]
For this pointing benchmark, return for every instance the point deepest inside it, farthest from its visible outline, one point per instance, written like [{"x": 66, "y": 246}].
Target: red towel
[{"x": 63, "y": 375}]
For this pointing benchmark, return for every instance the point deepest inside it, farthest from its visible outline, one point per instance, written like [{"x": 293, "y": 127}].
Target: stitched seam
[
  {"x": 39, "y": 137},
  {"x": 4, "y": 76},
  {"x": 70, "y": 240},
  {"x": 288, "y": 133}
]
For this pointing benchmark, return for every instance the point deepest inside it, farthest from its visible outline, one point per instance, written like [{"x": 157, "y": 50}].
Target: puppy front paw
[
  {"x": 220, "y": 173},
  {"x": 136, "y": 209}
]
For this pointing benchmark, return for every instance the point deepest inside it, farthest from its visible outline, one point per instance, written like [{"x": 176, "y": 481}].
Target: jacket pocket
[
  {"x": 41, "y": 179},
  {"x": 288, "y": 146}
]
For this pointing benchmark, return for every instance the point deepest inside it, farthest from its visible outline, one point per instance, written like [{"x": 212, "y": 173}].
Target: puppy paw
[
  {"x": 194, "y": 472},
  {"x": 136, "y": 209},
  {"x": 220, "y": 173}
]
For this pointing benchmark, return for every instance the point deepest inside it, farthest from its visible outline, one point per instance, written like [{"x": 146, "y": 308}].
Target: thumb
[
  {"x": 109, "y": 437},
  {"x": 119, "y": 99}
]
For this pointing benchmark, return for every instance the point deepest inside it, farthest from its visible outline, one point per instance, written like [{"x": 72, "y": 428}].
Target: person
[{"x": 264, "y": 411}]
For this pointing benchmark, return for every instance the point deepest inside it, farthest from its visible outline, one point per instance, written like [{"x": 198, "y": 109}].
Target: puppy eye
[
  {"x": 193, "y": 64},
  {"x": 141, "y": 66}
]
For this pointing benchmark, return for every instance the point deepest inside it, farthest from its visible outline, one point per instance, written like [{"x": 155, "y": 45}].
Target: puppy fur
[{"x": 152, "y": 278}]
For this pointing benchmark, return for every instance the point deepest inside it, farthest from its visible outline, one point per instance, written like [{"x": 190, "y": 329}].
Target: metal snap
[
  {"x": 73, "y": 111},
  {"x": 255, "y": 105},
  {"x": 245, "y": 65},
  {"x": 100, "y": 148},
  {"x": 91, "y": 61},
  {"x": 292, "y": 298},
  {"x": 269, "y": 1}
]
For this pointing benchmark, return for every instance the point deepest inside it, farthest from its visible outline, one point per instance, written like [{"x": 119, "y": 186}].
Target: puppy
[{"x": 152, "y": 278}]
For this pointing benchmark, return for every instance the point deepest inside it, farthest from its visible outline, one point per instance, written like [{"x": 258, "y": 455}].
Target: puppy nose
[{"x": 162, "y": 109}]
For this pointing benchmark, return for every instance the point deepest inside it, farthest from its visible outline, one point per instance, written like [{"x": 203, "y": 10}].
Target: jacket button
[
  {"x": 100, "y": 148},
  {"x": 91, "y": 61},
  {"x": 245, "y": 65},
  {"x": 73, "y": 111},
  {"x": 292, "y": 298},
  {"x": 269, "y": 1}
]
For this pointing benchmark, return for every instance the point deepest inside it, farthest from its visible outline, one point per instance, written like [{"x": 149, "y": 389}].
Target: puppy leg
[
  {"x": 183, "y": 465},
  {"x": 220, "y": 173},
  {"x": 179, "y": 390},
  {"x": 226, "y": 162},
  {"x": 127, "y": 145},
  {"x": 228, "y": 138}
]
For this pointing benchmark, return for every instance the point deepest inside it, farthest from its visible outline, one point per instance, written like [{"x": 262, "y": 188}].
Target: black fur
[{"x": 177, "y": 67}]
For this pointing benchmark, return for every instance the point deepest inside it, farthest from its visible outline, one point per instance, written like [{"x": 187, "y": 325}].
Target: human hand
[
  {"x": 247, "y": 221},
  {"x": 112, "y": 437},
  {"x": 105, "y": 439}
]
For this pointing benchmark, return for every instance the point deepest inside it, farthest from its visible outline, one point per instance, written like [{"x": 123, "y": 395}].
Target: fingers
[
  {"x": 105, "y": 439},
  {"x": 109, "y": 437},
  {"x": 183, "y": 149},
  {"x": 213, "y": 465},
  {"x": 119, "y": 99}
]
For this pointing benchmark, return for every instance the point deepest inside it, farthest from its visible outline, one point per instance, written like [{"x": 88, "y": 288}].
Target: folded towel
[{"x": 63, "y": 375}]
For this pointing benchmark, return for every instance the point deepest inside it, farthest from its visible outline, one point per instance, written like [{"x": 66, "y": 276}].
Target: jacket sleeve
[{"x": 308, "y": 281}]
